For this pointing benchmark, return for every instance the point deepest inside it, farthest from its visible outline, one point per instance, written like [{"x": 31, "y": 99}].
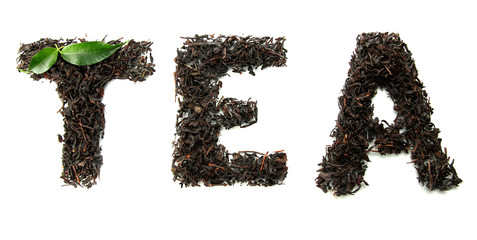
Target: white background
[{"x": 136, "y": 197}]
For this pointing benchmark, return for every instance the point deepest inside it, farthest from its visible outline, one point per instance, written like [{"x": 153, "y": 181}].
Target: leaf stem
[
  {"x": 23, "y": 71},
  {"x": 59, "y": 48}
]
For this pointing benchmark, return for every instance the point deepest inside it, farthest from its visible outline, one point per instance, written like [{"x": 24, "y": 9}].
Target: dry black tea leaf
[
  {"x": 81, "y": 90},
  {"x": 198, "y": 156},
  {"x": 382, "y": 60}
]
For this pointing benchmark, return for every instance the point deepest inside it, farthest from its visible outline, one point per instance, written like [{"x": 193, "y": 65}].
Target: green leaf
[
  {"x": 88, "y": 53},
  {"x": 43, "y": 60}
]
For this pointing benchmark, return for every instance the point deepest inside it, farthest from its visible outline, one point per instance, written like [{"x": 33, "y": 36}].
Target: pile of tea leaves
[
  {"x": 198, "y": 156},
  {"x": 81, "y": 90},
  {"x": 382, "y": 60}
]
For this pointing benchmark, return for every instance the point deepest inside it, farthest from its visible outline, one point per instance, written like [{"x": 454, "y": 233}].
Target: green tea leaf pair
[{"x": 81, "y": 54}]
